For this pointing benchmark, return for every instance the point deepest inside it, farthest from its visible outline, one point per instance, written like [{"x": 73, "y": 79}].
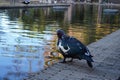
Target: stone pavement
[{"x": 106, "y": 54}]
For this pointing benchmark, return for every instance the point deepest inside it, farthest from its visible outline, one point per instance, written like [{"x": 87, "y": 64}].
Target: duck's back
[{"x": 75, "y": 46}]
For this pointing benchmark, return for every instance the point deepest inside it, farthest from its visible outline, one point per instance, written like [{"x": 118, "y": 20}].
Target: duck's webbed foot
[{"x": 64, "y": 60}]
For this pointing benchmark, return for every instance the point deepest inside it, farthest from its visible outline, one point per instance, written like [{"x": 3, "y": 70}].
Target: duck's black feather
[
  {"x": 71, "y": 47},
  {"x": 76, "y": 47}
]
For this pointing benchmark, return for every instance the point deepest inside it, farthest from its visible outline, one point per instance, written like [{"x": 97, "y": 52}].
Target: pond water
[{"x": 28, "y": 35}]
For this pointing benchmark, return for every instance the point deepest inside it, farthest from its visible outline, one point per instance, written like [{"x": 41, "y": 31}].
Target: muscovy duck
[{"x": 72, "y": 48}]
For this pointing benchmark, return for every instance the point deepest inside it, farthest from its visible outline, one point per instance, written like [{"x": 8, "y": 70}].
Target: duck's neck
[{"x": 63, "y": 37}]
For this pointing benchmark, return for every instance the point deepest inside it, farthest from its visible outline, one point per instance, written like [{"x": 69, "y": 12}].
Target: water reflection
[
  {"x": 17, "y": 60},
  {"x": 28, "y": 38}
]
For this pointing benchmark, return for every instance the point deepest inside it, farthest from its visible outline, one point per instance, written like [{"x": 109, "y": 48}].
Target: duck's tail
[{"x": 88, "y": 58}]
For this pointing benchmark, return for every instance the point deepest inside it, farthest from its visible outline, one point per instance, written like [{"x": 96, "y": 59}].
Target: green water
[{"x": 28, "y": 35}]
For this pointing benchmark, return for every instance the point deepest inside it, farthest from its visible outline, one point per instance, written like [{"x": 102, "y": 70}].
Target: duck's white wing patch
[
  {"x": 87, "y": 53},
  {"x": 62, "y": 48}
]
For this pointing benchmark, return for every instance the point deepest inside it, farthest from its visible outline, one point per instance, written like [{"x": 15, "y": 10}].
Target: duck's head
[{"x": 60, "y": 33}]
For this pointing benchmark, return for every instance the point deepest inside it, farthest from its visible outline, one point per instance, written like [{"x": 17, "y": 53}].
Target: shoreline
[
  {"x": 31, "y": 6},
  {"x": 106, "y": 52},
  {"x": 37, "y": 5}
]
